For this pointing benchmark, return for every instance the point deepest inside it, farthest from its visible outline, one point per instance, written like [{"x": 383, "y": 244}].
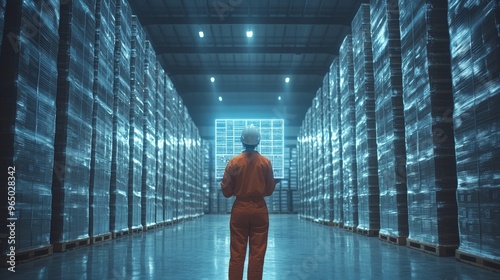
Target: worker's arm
[
  {"x": 227, "y": 183},
  {"x": 270, "y": 182}
]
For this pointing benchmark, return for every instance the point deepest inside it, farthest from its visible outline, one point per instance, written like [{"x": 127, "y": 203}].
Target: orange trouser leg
[
  {"x": 259, "y": 227},
  {"x": 249, "y": 220}
]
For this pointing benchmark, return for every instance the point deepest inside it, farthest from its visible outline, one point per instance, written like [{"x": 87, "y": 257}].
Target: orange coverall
[{"x": 249, "y": 177}]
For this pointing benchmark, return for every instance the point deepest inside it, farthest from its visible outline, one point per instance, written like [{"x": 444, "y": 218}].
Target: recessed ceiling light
[
  {"x": 287, "y": 80},
  {"x": 250, "y": 34},
  {"x": 212, "y": 79},
  {"x": 279, "y": 97},
  {"x": 201, "y": 34},
  {"x": 220, "y": 98}
]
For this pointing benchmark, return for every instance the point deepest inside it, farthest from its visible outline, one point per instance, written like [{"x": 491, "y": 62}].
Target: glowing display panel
[{"x": 228, "y": 143}]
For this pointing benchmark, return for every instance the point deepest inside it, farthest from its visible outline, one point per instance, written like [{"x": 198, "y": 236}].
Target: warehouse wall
[
  {"x": 412, "y": 129},
  {"x": 101, "y": 145}
]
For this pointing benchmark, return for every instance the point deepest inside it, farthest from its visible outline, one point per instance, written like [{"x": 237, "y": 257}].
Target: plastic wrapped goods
[
  {"x": 336, "y": 142},
  {"x": 475, "y": 64},
  {"x": 102, "y": 118},
  {"x": 149, "y": 142},
  {"x": 28, "y": 61},
  {"x": 136, "y": 123},
  {"x": 386, "y": 45},
  {"x": 428, "y": 107},
  {"x": 366, "y": 142},
  {"x": 72, "y": 148},
  {"x": 347, "y": 103},
  {"x": 121, "y": 123}
]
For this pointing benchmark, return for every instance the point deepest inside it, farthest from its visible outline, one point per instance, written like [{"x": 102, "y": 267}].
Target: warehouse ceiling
[{"x": 291, "y": 38}]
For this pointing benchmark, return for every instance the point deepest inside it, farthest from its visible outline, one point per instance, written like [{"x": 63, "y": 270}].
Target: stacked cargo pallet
[
  {"x": 160, "y": 133},
  {"x": 318, "y": 162},
  {"x": 336, "y": 143},
  {"x": 206, "y": 176},
  {"x": 102, "y": 122},
  {"x": 348, "y": 136},
  {"x": 366, "y": 139},
  {"x": 430, "y": 145},
  {"x": 386, "y": 45},
  {"x": 120, "y": 152},
  {"x": 294, "y": 198},
  {"x": 70, "y": 189},
  {"x": 136, "y": 124},
  {"x": 474, "y": 33},
  {"x": 169, "y": 151},
  {"x": 327, "y": 148},
  {"x": 149, "y": 141},
  {"x": 27, "y": 67}
]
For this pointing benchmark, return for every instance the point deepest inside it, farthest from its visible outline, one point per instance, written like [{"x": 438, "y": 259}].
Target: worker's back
[{"x": 248, "y": 174}]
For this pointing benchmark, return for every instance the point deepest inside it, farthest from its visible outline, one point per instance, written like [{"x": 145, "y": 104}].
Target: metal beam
[
  {"x": 163, "y": 50},
  {"x": 147, "y": 19},
  {"x": 314, "y": 71}
]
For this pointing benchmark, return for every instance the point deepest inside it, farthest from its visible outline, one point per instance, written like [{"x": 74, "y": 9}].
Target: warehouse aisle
[{"x": 199, "y": 249}]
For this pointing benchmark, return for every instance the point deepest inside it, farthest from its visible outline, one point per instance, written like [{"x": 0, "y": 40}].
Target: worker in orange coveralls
[{"x": 249, "y": 177}]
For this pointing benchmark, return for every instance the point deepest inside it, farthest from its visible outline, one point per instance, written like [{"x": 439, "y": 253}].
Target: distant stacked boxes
[
  {"x": 206, "y": 177},
  {"x": 120, "y": 153},
  {"x": 389, "y": 118},
  {"x": 294, "y": 197},
  {"x": 160, "y": 140},
  {"x": 70, "y": 184},
  {"x": 176, "y": 126},
  {"x": 136, "y": 122},
  {"x": 336, "y": 142},
  {"x": 102, "y": 119},
  {"x": 366, "y": 138},
  {"x": 348, "y": 116},
  {"x": 29, "y": 87},
  {"x": 181, "y": 134},
  {"x": 169, "y": 150},
  {"x": 475, "y": 62},
  {"x": 428, "y": 107},
  {"x": 318, "y": 161},
  {"x": 327, "y": 148},
  {"x": 149, "y": 142},
  {"x": 300, "y": 171}
]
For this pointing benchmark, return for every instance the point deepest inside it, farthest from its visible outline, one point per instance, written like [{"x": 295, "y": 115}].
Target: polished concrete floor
[{"x": 199, "y": 249}]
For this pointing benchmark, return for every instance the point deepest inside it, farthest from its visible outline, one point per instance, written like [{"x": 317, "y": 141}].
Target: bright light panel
[
  {"x": 249, "y": 34},
  {"x": 201, "y": 34},
  {"x": 287, "y": 80},
  {"x": 212, "y": 79},
  {"x": 228, "y": 143}
]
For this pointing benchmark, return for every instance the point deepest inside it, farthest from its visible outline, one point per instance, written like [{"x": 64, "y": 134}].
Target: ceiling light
[
  {"x": 212, "y": 79},
  {"x": 249, "y": 34},
  {"x": 220, "y": 98},
  {"x": 279, "y": 97},
  {"x": 201, "y": 34},
  {"x": 287, "y": 80}
]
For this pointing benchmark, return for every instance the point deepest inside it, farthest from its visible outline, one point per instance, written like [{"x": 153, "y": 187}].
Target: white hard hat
[{"x": 250, "y": 136}]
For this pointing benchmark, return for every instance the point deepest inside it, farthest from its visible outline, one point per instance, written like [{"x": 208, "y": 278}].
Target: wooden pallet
[
  {"x": 101, "y": 238},
  {"x": 367, "y": 232},
  {"x": 70, "y": 245},
  {"x": 350, "y": 228},
  {"x": 151, "y": 227},
  {"x": 479, "y": 261},
  {"x": 28, "y": 255},
  {"x": 338, "y": 224},
  {"x": 121, "y": 233},
  {"x": 438, "y": 250},
  {"x": 135, "y": 230},
  {"x": 397, "y": 240}
]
